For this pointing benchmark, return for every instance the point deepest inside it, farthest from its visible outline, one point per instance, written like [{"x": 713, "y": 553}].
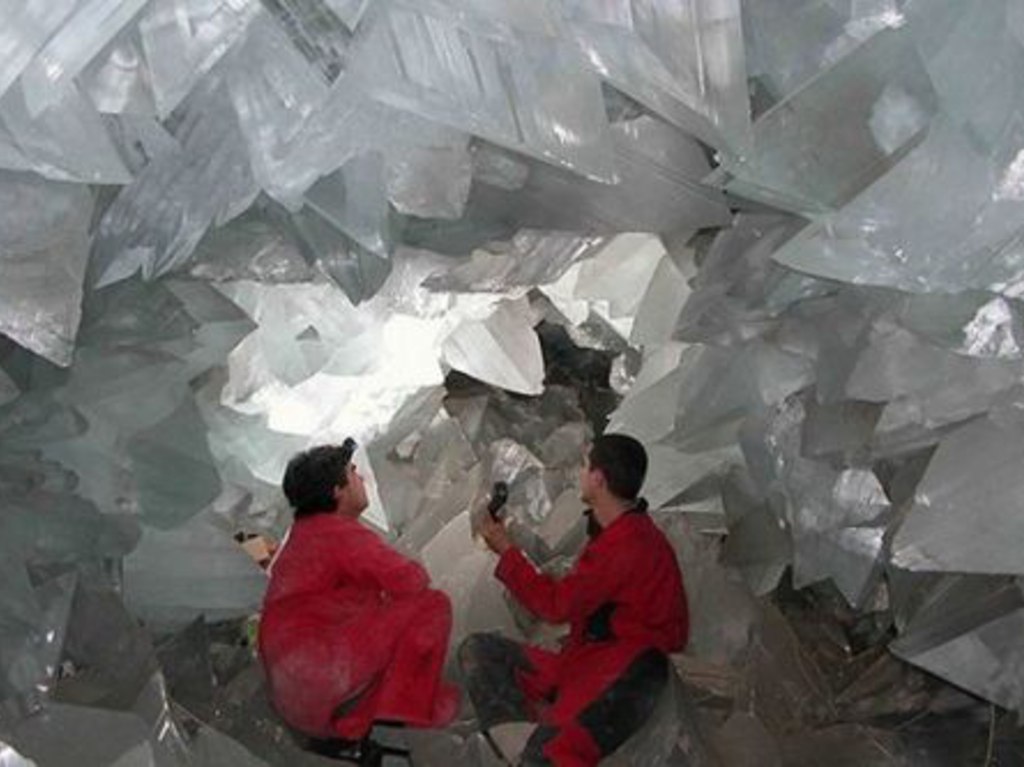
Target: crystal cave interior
[{"x": 779, "y": 241}]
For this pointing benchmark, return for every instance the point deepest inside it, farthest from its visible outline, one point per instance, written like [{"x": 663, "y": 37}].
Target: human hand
[{"x": 495, "y": 535}]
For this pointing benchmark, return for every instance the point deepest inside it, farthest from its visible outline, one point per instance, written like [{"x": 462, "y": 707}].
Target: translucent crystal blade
[
  {"x": 90, "y": 736},
  {"x": 790, "y": 43},
  {"x": 36, "y": 622},
  {"x": 156, "y": 221},
  {"x": 968, "y": 633},
  {"x": 44, "y": 247},
  {"x": 67, "y": 141},
  {"x": 93, "y": 24},
  {"x": 941, "y": 386},
  {"x": 250, "y": 247},
  {"x": 836, "y": 114},
  {"x": 532, "y": 258},
  {"x": 502, "y": 349},
  {"x": 902, "y": 233},
  {"x": 184, "y": 39},
  {"x": 461, "y": 570},
  {"x": 964, "y": 517},
  {"x": 684, "y": 61},
  {"x": 275, "y": 92},
  {"x": 431, "y": 180},
  {"x": 173, "y": 448},
  {"x": 26, "y": 29},
  {"x": 196, "y": 569},
  {"x": 108, "y": 640},
  {"x": 495, "y": 88},
  {"x": 354, "y": 199},
  {"x": 117, "y": 81}
]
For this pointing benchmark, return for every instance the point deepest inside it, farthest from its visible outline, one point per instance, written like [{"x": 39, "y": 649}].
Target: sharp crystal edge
[{"x": 43, "y": 254}]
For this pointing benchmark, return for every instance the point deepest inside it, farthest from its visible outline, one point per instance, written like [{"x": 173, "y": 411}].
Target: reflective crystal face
[{"x": 779, "y": 241}]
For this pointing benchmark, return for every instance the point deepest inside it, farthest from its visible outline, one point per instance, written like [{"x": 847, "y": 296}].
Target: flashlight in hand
[{"x": 499, "y": 496}]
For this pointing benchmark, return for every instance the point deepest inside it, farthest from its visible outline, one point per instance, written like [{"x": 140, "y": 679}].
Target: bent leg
[
  {"x": 605, "y": 723},
  {"x": 406, "y": 645},
  {"x": 491, "y": 666}
]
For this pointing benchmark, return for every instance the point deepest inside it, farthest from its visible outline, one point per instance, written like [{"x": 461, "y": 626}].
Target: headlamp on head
[{"x": 348, "y": 449}]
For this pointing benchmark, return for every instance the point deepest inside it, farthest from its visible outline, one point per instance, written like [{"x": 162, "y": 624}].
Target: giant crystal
[
  {"x": 496, "y": 85},
  {"x": 966, "y": 508},
  {"x": 157, "y": 220},
  {"x": 173, "y": 577},
  {"x": 82, "y": 37},
  {"x": 968, "y": 631},
  {"x": 845, "y": 115},
  {"x": 698, "y": 85},
  {"x": 27, "y": 28},
  {"x": 43, "y": 253}
]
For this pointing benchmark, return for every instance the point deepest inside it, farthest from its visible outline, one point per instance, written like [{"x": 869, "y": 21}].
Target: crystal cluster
[{"x": 780, "y": 241}]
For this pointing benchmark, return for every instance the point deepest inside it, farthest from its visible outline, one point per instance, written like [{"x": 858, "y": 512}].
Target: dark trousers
[{"x": 492, "y": 667}]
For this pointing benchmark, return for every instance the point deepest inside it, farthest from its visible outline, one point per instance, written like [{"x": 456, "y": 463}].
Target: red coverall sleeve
[
  {"x": 592, "y": 582},
  {"x": 393, "y": 573}
]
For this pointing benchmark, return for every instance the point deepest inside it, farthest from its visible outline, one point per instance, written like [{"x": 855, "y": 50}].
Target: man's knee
[
  {"x": 628, "y": 703},
  {"x": 471, "y": 651},
  {"x": 533, "y": 754},
  {"x": 490, "y": 646}
]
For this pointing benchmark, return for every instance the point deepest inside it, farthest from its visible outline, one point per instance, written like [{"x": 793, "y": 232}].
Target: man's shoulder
[
  {"x": 645, "y": 532},
  {"x": 631, "y": 529}
]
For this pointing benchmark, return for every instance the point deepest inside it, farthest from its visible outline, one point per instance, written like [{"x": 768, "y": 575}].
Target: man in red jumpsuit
[
  {"x": 626, "y": 607},
  {"x": 351, "y": 632}
]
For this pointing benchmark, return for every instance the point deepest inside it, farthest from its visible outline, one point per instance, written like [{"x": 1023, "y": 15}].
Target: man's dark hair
[
  {"x": 311, "y": 477},
  {"x": 623, "y": 461}
]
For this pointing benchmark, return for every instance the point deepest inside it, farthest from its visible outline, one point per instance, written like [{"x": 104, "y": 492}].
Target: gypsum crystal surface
[
  {"x": 968, "y": 632},
  {"x": 216, "y": 30},
  {"x": 44, "y": 246},
  {"x": 788, "y": 43},
  {"x": 307, "y": 347},
  {"x": 965, "y": 509},
  {"x": 846, "y": 115},
  {"x": 699, "y": 86},
  {"x": 142, "y": 344},
  {"x": 195, "y": 569}
]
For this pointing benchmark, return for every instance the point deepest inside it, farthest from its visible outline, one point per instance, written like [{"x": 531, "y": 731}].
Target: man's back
[{"x": 646, "y": 601}]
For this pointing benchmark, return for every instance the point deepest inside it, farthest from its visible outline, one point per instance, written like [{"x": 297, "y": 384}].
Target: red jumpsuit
[
  {"x": 624, "y": 597},
  {"x": 351, "y": 633}
]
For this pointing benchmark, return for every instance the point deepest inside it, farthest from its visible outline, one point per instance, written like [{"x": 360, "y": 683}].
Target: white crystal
[
  {"x": 44, "y": 245},
  {"x": 463, "y": 571},
  {"x": 157, "y": 221},
  {"x": 683, "y": 60},
  {"x": 965, "y": 516},
  {"x": 184, "y": 39},
  {"x": 26, "y": 28},
  {"x": 196, "y": 569},
  {"x": 423, "y": 61},
  {"x": 502, "y": 349},
  {"x": 67, "y": 141},
  {"x": 83, "y": 35},
  {"x": 117, "y": 81},
  {"x": 817, "y": 149}
]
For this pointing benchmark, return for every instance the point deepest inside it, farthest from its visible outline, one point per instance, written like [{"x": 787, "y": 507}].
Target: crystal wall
[{"x": 778, "y": 240}]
